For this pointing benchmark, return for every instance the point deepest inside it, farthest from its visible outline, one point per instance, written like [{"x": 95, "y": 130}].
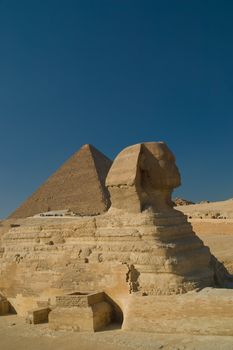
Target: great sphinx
[{"x": 168, "y": 256}]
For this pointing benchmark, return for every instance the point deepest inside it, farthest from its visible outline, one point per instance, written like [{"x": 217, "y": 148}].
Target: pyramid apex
[{"x": 87, "y": 145}]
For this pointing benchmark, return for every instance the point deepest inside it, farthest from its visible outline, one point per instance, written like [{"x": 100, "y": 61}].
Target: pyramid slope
[{"x": 78, "y": 185}]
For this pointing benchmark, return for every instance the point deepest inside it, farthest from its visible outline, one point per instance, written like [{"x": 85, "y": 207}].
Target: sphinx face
[
  {"x": 143, "y": 176},
  {"x": 158, "y": 167}
]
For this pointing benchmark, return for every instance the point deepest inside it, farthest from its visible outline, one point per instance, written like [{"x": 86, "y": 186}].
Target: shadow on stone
[
  {"x": 222, "y": 277},
  {"x": 117, "y": 315}
]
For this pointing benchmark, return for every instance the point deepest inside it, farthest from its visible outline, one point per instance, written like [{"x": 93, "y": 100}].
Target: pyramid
[{"x": 78, "y": 185}]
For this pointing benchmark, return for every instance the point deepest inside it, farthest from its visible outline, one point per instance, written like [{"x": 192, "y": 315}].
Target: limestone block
[
  {"x": 37, "y": 316},
  {"x": 81, "y": 312}
]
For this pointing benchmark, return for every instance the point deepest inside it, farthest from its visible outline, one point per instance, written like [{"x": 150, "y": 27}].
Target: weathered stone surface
[
  {"x": 78, "y": 185},
  {"x": 119, "y": 254},
  {"x": 47, "y": 257}
]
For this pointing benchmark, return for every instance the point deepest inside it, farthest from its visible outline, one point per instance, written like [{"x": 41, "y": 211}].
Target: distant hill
[
  {"x": 209, "y": 210},
  {"x": 181, "y": 201}
]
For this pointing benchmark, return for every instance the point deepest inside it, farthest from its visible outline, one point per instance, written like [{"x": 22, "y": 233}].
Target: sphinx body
[{"x": 168, "y": 257}]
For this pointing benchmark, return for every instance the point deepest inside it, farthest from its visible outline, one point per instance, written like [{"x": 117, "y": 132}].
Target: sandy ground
[{"x": 16, "y": 334}]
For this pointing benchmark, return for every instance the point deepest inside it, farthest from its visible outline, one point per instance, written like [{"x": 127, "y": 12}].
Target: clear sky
[{"x": 114, "y": 73}]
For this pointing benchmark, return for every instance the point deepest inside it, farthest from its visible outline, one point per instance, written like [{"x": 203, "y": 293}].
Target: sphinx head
[{"x": 143, "y": 177}]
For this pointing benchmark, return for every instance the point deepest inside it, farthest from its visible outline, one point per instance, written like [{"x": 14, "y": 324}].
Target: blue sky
[{"x": 114, "y": 73}]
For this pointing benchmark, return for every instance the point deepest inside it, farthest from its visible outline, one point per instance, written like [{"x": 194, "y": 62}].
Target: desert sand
[{"x": 16, "y": 334}]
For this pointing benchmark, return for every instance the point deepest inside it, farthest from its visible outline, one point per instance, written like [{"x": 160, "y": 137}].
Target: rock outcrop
[
  {"x": 181, "y": 201},
  {"x": 78, "y": 185}
]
